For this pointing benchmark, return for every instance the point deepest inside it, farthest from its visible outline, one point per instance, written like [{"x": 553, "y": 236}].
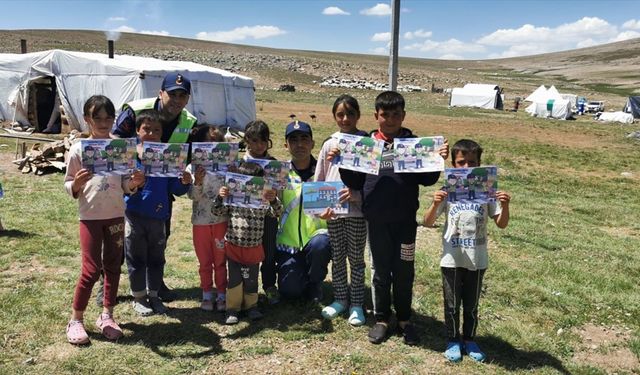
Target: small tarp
[
  {"x": 633, "y": 106},
  {"x": 622, "y": 117}
]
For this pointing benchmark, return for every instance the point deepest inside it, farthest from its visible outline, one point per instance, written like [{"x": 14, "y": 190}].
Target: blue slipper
[
  {"x": 454, "y": 351},
  {"x": 473, "y": 351},
  {"x": 333, "y": 310},
  {"x": 356, "y": 316}
]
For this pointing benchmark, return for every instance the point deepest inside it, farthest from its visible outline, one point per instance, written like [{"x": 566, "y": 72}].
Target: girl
[
  {"x": 208, "y": 228},
  {"x": 347, "y": 233},
  {"x": 101, "y": 209},
  {"x": 258, "y": 140}
]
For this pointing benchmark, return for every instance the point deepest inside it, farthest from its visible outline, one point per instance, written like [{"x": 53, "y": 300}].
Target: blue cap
[
  {"x": 176, "y": 81},
  {"x": 298, "y": 126}
]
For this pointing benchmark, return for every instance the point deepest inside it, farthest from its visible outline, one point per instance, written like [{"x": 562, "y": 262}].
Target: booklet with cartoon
[
  {"x": 214, "y": 156},
  {"x": 164, "y": 159},
  {"x": 413, "y": 155},
  {"x": 108, "y": 156},
  {"x": 245, "y": 191},
  {"x": 275, "y": 171},
  {"x": 318, "y": 196},
  {"x": 477, "y": 185},
  {"x": 361, "y": 154}
]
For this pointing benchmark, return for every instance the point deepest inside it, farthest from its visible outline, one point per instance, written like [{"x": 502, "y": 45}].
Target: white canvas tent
[
  {"x": 548, "y": 103},
  {"x": 217, "y": 96},
  {"x": 476, "y": 95}
]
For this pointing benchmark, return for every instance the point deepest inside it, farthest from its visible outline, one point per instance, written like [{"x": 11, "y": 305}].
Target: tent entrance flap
[{"x": 42, "y": 110}]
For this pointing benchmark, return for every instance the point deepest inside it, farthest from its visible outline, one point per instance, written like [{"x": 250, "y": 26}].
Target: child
[
  {"x": 145, "y": 216},
  {"x": 464, "y": 263},
  {"x": 243, "y": 247},
  {"x": 101, "y": 209},
  {"x": 390, "y": 203},
  {"x": 347, "y": 233},
  {"x": 208, "y": 228},
  {"x": 257, "y": 137}
]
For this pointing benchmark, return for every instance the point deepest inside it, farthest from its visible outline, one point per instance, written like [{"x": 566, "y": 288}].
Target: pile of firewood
[{"x": 43, "y": 157}]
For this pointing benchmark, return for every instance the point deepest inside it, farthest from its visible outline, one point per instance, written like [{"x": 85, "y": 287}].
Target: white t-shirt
[{"x": 464, "y": 242}]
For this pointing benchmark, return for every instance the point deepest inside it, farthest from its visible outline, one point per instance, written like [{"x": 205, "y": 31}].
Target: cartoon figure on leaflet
[
  {"x": 110, "y": 157},
  {"x": 248, "y": 190},
  {"x": 199, "y": 156},
  {"x": 147, "y": 161},
  {"x": 272, "y": 170},
  {"x": 450, "y": 187},
  {"x": 89, "y": 158},
  {"x": 474, "y": 184},
  {"x": 358, "y": 150},
  {"x": 231, "y": 184},
  {"x": 400, "y": 156},
  {"x": 342, "y": 146},
  {"x": 167, "y": 158}
]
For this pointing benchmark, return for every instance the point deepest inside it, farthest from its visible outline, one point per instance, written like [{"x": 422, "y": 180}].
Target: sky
[{"x": 428, "y": 28}]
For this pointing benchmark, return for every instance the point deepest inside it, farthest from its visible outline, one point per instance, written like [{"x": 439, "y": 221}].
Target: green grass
[{"x": 568, "y": 259}]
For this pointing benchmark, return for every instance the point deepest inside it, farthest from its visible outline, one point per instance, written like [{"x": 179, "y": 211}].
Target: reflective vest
[
  {"x": 296, "y": 228},
  {"x": 185, "y": 121}
]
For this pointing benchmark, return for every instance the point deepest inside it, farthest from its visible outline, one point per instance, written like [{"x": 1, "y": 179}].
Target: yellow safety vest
[{"x": 185, "y": 122}]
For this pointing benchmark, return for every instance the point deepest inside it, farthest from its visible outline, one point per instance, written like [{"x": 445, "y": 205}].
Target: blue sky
[{"x": 430, "y": 29}]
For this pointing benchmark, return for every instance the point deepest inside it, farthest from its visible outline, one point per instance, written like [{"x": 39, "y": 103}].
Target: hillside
[{"x": 608, "y": 71}]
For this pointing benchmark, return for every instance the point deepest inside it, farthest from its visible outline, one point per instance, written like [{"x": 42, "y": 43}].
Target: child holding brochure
[
  {"x": 208, "y": 228},
  {"x": 464, "y": 254},
  {"x": 101, "y": 210},
  {"x": 347, "y": 232}
]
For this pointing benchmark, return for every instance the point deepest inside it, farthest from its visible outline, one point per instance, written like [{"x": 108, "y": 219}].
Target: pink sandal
[
  {"x": 108, "y": 327},
  {"x": 76, "y": 333}
]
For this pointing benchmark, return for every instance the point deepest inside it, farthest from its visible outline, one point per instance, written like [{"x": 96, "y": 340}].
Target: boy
[
  {"x": 145, "y": 216},
  {"x": 464, "y": 253},
  {"x": 390, "y": 203},
  {"x": 243, "y": 246}
]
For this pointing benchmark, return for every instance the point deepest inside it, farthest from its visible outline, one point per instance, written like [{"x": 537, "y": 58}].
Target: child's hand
[
  {"x": 327, "y": 214},
  {"x": 444, "y": 149},
  {"x": 223, "y": 192},
  {"x": 199, "y": 175},
  {"x": 185, "y": 178},
  {"x": 80, "y": 179},
  {"x": 334, "y": 152},
  {"x": 439, "y": 196},
  {"x": 503, "y": 197},
  {"x": 269, "y": 195},
  {"x": 345, "y": 195},
  {"x": 137, "y": 178}
]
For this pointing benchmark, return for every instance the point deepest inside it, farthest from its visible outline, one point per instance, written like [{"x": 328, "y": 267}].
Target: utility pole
[{"x": 393, "y": 49}]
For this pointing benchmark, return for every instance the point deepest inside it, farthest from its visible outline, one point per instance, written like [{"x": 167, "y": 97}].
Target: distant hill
[{"x": 610, "y": 69}]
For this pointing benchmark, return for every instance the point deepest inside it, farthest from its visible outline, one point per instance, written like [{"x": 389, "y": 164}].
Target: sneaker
[
  {"x": 454, "y": 351},
  {"x": 314, "y": 291},
  {"x": 356, "y": 316},
  {"x": 206, "y": 305},
  {"x": 108, "y": 327},
  {"x": 221, "y": 305},
  {"x": 473, "y": 351},
  {"x": 142, "y": 307},
  {"x": 76, "y": 333},
  {"x": 273, "y": 296},
  {"x": 232, "y": 318},
  {"x": 333, "y": 310},
  {"x": 166, "y": 294},
  {"x": 409, "y": 334},
  {"x": 157, "y": 305},
  {"x": 378, "y": 333},
  {"x": 254, "y": 314}
]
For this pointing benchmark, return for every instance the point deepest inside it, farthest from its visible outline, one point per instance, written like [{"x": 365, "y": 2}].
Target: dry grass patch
[{"x": 606, "y": 348}]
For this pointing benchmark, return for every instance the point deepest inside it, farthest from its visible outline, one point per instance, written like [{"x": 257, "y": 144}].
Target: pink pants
[
  {"x": 208, "y": 241},
  {"x": 93, "y": 233}
]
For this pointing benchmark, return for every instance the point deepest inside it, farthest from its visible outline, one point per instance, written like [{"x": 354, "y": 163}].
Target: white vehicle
[{"x": 594, "y": 106}]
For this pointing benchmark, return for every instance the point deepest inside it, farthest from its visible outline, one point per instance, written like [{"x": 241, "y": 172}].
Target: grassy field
[{"x": 561, "y": 294}]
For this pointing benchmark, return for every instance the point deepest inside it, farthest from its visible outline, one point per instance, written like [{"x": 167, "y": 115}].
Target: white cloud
[
  {"x": 380, "y": 51},
  {"x": 381, "y": 37},
  {"x": 155, "y": 32},
  {"x": 242, "y": 33},
  {"x": 116, "y": 19},
  {"x": 420, "y": 33},
  {"x": 379, "y": 9},
  {"x": 450, "y": 56},
  {"x": 334, "y": 11},
  {"x": 125, "y": 29},
  {"x": 448, "y": 47},
  {"x": 629, "y": 34},
  {"x": 632, "y": 24}
]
